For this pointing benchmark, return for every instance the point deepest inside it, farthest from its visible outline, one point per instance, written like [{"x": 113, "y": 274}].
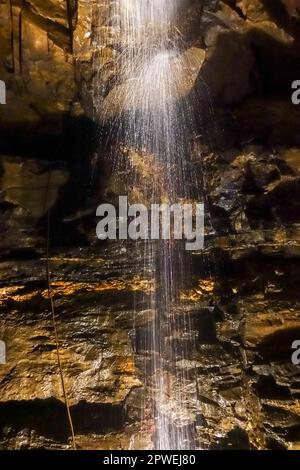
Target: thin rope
[
  {"x": 51, "y": 300},
  {"x": 50, "y": 296}
]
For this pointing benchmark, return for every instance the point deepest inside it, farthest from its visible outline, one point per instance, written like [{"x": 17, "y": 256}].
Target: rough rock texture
[
  {"x": 96, "y": 351},
  {"x": 251, "y": 385},
  {"x": 244, "y": 298},
  {"x": 36, "y": 64}
]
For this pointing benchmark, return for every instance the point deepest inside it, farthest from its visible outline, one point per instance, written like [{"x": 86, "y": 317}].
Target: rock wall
[{"x": 244, "y": 296}]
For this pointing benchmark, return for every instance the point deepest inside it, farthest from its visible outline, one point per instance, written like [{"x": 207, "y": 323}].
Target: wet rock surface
[
  {"x": 244, "y": 301},
  {"x": 93, "y": 295}
]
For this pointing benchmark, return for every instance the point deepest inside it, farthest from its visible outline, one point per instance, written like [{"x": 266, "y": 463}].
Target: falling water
[{"x": 154, "y": 120}]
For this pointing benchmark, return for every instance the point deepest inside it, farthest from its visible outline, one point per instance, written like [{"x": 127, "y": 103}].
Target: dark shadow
[
  {"x": 278, "y": 13},
  {"x": 266, "y": 387},
  {"x": 231, "y": 114},
  {"x": 236, "y": 439},
  {"x": 48, "y": 418},
  {"x": 277, "y": 346}
]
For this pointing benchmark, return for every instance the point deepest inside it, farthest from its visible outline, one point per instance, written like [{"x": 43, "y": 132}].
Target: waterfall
[{"x": 152, "y": 122}]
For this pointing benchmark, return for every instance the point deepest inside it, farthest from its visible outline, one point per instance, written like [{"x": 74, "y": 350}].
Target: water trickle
[{"x": 152, "y": 124}]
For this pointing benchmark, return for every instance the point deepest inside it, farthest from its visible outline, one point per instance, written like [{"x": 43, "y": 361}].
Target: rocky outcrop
[
  {"x": 36, "y": 64},
  {"x": 96, "y": 351},
  {"x": 252, "y": 387}
]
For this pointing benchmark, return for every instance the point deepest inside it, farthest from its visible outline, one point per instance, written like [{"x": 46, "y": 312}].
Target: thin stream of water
[{"x": 152, "y": 128}]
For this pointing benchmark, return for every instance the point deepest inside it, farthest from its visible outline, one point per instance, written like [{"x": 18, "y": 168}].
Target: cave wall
[{"x": 245, "y": 306}]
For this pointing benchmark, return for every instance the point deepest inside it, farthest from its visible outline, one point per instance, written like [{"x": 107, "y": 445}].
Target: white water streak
[{"x": 152, "y": 80}]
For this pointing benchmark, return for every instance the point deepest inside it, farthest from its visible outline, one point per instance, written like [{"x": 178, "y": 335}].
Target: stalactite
[
  {"x": 20, "y": 42},
  {"x": 12, "y": 34}
]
